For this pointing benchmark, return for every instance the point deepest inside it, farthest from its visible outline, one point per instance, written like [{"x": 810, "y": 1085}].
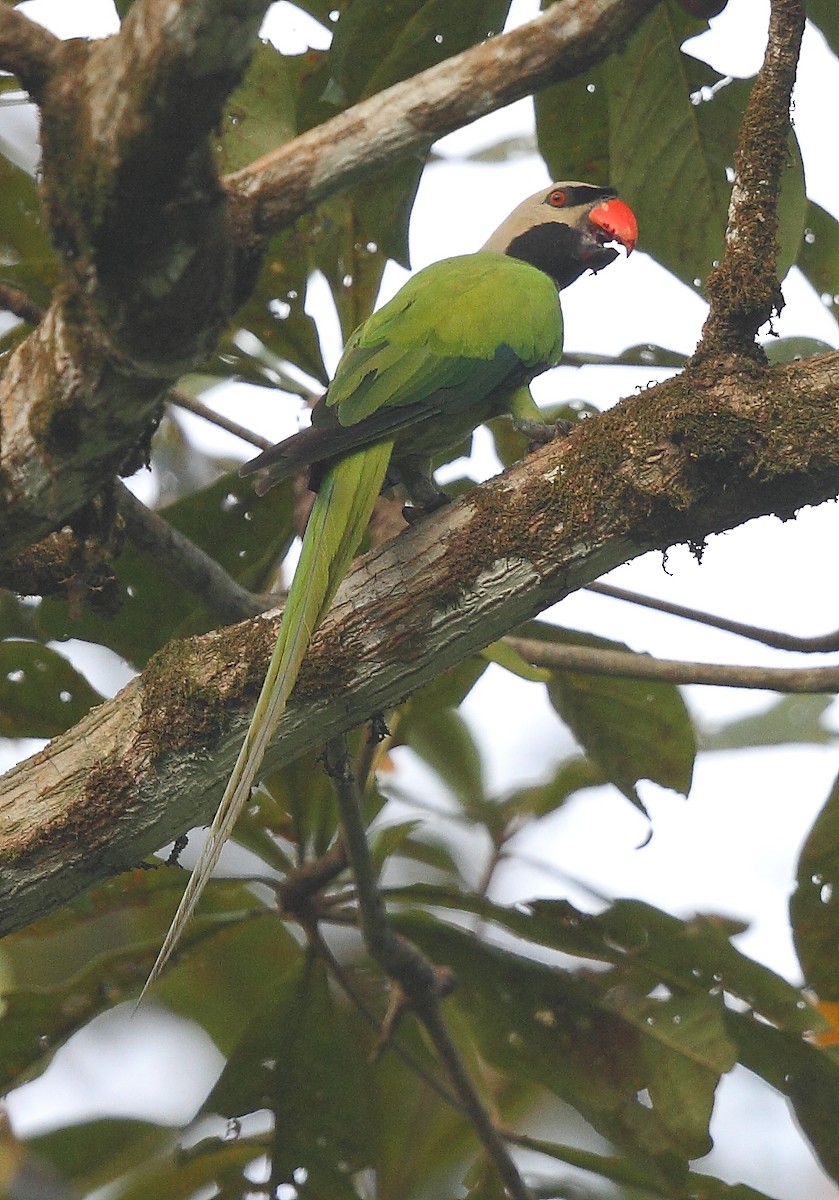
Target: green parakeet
[{"x": 457, "y": 345}]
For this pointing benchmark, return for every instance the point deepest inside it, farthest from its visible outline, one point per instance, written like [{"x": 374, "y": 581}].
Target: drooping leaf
[
  {"x": 611, "y": 1052},
  {"x": 788, "y": 720},
  {"x": 806, "y": 1074},
  {"x": 246, "y": 535},
  {"x": 630, "y": 729},
  {"x": 305, "y": 1044},
  {"x": 41, "y": 694},
  {"x": 825, "y": 14},
  {"x": 814, "y": 905},
  {"x": 27, "y": 259},
  {"x": 819, "y": 255},
  {"x": 261, "y": 114},
  {"x": 377, "y": 45},
  {"x": 655, "y": 112}
]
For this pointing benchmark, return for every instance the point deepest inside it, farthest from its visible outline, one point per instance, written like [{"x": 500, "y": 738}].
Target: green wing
[{"x": 457, "y": 332}]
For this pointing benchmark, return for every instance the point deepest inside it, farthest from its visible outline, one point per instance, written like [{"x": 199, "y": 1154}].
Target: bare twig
[
  {"x": 191, "y": 566},
  {"x": 820, "y": 644},
  {"x": 419, "y": 981},
  {"x": 743, "y": 291},
  {"x": 189, "y": 403},
  {"x": 588, "y": 661},
  {"x": 15, "y": 300},
  {"x": 26, "y": 49}
]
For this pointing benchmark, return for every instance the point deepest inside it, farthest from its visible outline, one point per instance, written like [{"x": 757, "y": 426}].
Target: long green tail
[{"x": 336, "y": 526}]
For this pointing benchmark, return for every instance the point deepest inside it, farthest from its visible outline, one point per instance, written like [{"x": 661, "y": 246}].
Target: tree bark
[{"x": 691, "y": 457}]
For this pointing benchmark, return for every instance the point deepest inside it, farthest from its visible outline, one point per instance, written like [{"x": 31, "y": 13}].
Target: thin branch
[
  {"x": 404, "y": 120},
  {"x": 588, "y": 661},
  {"x": 743, "y": 291},
  {"x": 823, "y": 643},
  {"x": 15, "y": 300},
  {"x": 185, "y": 562},
  {"x": 345, "y": 982},
  {"x": 189, "y": 403},
  {"x": 415, "y": 977},
  {"x": 26, "y": 49}
]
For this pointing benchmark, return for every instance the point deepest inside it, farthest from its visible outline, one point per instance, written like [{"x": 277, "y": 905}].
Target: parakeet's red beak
[{"x": 615, "y": 222}]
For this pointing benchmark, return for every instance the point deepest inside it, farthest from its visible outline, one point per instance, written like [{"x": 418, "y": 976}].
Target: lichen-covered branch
[
  {"x": 744, "y": 291},
  {"x": 673, "y": 464}
]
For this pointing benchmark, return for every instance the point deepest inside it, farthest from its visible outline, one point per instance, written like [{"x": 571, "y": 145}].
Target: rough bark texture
[
  {"x": 673, "y": 464},
  {"x": 158, "y": 253}
]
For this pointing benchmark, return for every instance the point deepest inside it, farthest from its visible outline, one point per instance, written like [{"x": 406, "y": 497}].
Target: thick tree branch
[
  {"x": 673, "y": 464},
  {"x": 26, "y": 49},
  {"x": 159, "y": 255},
  {"x": 743, "y": 291},
  {"x": 407, "y": 118},
  {"x": 151, "y": 262}
]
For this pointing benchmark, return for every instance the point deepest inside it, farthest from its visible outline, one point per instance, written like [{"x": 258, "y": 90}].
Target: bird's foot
[
  {"x": 542, "y": 432},
  {"x": 415, "y": 512}
]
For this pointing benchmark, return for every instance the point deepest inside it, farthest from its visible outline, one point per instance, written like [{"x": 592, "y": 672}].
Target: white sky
[{"x": 732, "y": 846}]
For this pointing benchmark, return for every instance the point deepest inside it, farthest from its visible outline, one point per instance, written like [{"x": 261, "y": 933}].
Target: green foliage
[{"x": 630, "y": 1015}]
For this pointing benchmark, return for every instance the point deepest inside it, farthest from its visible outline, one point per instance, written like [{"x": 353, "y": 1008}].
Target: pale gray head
[{"x": 563, "y": 230}]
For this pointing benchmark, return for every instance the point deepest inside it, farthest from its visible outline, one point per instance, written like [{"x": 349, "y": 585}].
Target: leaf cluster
[{"x": 627, "y": 1015}]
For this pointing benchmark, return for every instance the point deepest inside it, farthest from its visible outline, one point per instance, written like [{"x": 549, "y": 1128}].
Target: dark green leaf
[
  {"x": 94, "y": 1154},
  {"x": 814, "y": 906},
  {"x": 290, "y": 1051},
  {"x": 630, "y": 729},
  {"x": 27, "y": 259},
  {"x": 613, "y": 1053},
  {"x": 807, "y": 1075},
  {"x": 442, "y": 738},
  {"x": 789, "y": 719},
  {"x": 819, "y": 255},
  {"x": 246, "y": 535},
  {"x": 41, "y": 695},
  {"x": 572, "y": 775},
  {"x": 261, "y": 114},
  {"x": 826, "y": 15},
  {"x": 376, "y": 45},
  {"x": 793, "y": 349}
]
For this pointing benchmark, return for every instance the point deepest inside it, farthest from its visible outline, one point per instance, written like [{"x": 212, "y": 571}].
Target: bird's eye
[{"x": 558, "y": 198}]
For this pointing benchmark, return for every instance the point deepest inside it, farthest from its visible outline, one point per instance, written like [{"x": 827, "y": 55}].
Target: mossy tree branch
[{"x": 673, "y": 464}]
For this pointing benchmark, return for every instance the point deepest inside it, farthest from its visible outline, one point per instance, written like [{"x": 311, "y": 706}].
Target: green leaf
[
  {"x": 376, "y": 45},
  {"x": 807, "y": 1075},
  {"x": 96, "y": 1153},
  {"x": 246, "y": 535},
  {"x": 826, "y": 15},
  {"x": 582, "y": 1039},
  {"x": 27, "y": 259},
  {"x": 571, "y": 776},
  {"x": 629, "y": 728},
  {"x": 293, "y": 1049},
  {"x": 261, "y": 114},
  {"x": 441, "y": 737},
  {"x": 788, "y": 720},
  {"x": 505, "y": 656},
  {"x": 814, "y": 906},
  {"x": 819, "y": 254},
  {"x": 41, "y": 694},
  {"x": 655, "y": 112},
  {"x": 793, "y": 349}
]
